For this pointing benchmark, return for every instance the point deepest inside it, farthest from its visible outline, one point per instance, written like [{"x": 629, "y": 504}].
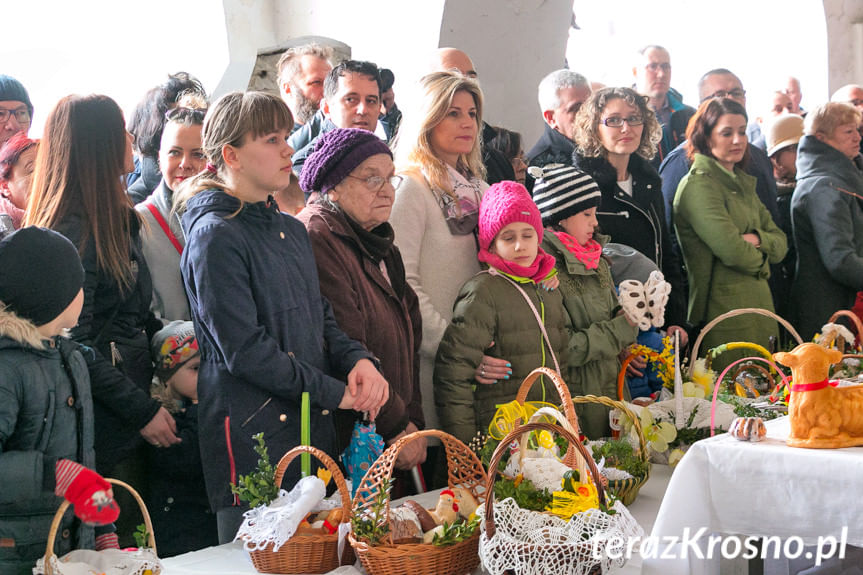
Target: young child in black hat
[
  {"x": 182, "y": 519},
  {"x": 46, "y": 410}
]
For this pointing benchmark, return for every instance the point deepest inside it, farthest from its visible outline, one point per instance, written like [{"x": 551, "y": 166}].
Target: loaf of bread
[{"x": 405, "y": 526}]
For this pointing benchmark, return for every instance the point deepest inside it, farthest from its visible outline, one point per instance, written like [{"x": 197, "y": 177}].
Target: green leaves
[
  {"x": 454, "y": 532},
  {"x": 258, "y": 487},
  {"x": 142, "y": 536},
  {"x": 373, "y": 526},
  {"x": 619, "y": 454},
  {"x": 524, "y": 493}
]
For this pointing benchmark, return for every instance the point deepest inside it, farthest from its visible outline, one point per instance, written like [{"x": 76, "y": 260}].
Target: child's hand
[
  {"x": 551, "y": 283},
  {"x": 491, "y": 369},
  {"x": 636, "y": 366}
]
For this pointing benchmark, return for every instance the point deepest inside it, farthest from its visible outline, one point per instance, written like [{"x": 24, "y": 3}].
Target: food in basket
[
  {"x": 748, "y": 429},
  {"x": 405, "y": 525},
  {"x": 427, "y": 522},
  {"x": 467, "y": 503}
]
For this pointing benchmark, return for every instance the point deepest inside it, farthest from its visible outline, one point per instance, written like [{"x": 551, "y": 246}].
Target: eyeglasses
[
  {"x": 736, "y": 93},
  {"x": 656, "y": 66},
  {"x": 376, "y": 183},
  {"x": 617, "y": 121},
  {"x": 181, "y": 114},
  {"x": 22, "y": 115}
]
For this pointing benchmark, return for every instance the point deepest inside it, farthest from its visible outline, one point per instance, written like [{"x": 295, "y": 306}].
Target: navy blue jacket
[{"x": 265, "y": 334}]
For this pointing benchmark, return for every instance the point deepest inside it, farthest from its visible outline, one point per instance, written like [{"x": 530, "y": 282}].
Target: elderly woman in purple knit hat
[{"x": 352, "y": 182}]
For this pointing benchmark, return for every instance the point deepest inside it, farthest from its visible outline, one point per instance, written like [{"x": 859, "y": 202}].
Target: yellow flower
[
  {"x": 565, "y": 504},
  {"x": 658, "y": 435},
  {"x": 703, "y": 377},
  {"x": 675, "y": 456},
  {"x": 691, "y": 389}
]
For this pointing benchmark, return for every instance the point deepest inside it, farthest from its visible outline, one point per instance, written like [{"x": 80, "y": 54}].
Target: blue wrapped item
[{"x": 363, "y": 450}]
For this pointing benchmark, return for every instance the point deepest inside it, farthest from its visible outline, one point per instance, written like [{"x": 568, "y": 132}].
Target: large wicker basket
[
  {"x": 624, "y": 489},
  {"x": 531, "y": 549},
  {"x": 314, "y": 553},
  {"x": 61, "y": 511},
  {"x": 463, "y": 470}
]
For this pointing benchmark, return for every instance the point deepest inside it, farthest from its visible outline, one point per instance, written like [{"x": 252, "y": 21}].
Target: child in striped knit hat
[
  {"x": 509, "y": 311},
  {"x": 567, "y": 201}
]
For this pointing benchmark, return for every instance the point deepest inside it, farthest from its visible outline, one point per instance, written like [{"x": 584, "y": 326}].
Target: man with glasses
[
  {"x": 16, "y": 111},
  {"x": 653, "y": 79},
  {"x": 560, "y": 95},
  {"x": 851, "y": 94}
]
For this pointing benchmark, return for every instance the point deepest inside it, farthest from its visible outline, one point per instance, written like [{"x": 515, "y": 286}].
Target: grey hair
[{"x": 556, "y": 81}]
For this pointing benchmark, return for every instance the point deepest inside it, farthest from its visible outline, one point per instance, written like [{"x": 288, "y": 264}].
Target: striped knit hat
[{"x": 562, "y": 191}]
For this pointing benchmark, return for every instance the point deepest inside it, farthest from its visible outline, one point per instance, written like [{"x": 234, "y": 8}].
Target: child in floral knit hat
[
  {"x": 182, "y": 519},
  {"x": 510, "y": 311}
]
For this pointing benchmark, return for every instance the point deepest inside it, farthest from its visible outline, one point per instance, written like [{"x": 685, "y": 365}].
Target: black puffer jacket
[
  {"x": 46, "y": 414},
  {"x": 638, "y": 221}
]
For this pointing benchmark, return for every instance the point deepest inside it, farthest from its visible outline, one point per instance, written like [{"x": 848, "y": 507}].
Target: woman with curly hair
[{"x": 616, "y": 134}]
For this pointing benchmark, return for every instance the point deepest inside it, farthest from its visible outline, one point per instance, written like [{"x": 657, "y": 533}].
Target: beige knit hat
[{"x": 784, "y": 131}]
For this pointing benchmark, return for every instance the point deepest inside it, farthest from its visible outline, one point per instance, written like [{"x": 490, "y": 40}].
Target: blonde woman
[{"x": 436, "y": 208}]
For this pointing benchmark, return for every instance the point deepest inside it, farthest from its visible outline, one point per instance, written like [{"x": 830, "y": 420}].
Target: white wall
[
  {"x": 845, "y": 29},
  {"x": 762, "y": 41},
  {"x": 112, "y": 47}
]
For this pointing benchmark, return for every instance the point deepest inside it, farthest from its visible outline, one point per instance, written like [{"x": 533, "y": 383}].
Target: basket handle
[
  {"x": 636, "y": 421},
  {"x": 735, "y": 313},
  {"x": 58, "y": 517},
  {"x": 719, "y": 380},
  {"x": 331, "y": 466},
  {"x": 464, "y": 470},
  {"x": 621, "y": 375},
  {"x": 503, "y": 446},
  {"x": 858, "y": 325},
  {"x": 715, "y": 352}
]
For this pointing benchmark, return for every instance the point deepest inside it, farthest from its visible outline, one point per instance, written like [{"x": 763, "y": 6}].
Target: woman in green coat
[
  {"x": 727, "y": 236},
  {"x": 567, "y": 200}
]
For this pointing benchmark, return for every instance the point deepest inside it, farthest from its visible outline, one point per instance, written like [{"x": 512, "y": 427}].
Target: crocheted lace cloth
[{"x": 532, "y": 543}]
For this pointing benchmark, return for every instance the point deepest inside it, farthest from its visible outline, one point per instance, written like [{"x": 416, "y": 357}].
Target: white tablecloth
[{"x": 763, "y": 489}]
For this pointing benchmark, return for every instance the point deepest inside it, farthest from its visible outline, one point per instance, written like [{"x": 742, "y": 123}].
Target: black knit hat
[
  {"x": 337, "y": 153},
  {"x": 561, "y": 191},
  {"x": 12, "y": 90},
  {"x": 40, "y": 274}
]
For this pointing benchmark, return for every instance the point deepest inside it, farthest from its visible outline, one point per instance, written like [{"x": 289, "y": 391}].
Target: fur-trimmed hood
[{"x": 21, "y": 331}]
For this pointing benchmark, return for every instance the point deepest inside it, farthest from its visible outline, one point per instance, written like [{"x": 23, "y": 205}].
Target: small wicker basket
[
  {"x": 464, "y": 470},
  {"x": 312, "y": 553},
  {"x": 58, "y": 518},
  {"x": 624, "y": 489},
  {"x": 852, "y": 317}
]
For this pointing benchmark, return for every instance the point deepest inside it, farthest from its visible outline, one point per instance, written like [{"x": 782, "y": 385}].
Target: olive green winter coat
[
  {"x": 712, "y": 209},
  {"x": 490, "y": 309},
  {"x": 598, "y": 333}
]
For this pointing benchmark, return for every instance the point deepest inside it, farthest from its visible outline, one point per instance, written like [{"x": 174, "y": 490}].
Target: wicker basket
[
  {"x": 527, "y": 549},
  {"x": 624, "y": 489},
  {"x": 463, "y": 470},
  {"x": 734, "y": 313},
  {"x": 858, "y": 326},
  {"x": 312, "y": 553},
  {"x": 58, "y": 518}
]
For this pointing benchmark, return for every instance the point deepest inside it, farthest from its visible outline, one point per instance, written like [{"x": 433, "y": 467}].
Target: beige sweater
[{"x": 437, "y": 264}]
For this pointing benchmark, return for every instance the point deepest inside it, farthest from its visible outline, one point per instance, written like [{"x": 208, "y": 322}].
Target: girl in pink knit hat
[{"x": 510, "y": 310}]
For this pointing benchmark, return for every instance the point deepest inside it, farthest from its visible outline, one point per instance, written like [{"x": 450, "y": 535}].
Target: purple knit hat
[
  {"x": 337, "y": 153},
  {"x": 502, "y": 204}
]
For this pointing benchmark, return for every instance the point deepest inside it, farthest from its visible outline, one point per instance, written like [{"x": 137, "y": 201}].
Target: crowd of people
[{"x": 172, "y": 289}]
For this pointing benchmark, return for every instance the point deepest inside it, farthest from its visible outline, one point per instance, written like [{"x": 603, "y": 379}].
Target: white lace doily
[{"x": 531, "y": 543}]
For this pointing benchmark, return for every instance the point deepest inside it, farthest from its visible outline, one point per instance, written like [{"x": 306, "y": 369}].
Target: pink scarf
[
  {"x": 588, "y": 254},
  {"x": 541, "y": 267}
]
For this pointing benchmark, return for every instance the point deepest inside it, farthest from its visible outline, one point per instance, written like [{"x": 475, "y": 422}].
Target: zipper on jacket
[
  {"x": 656, "y": 237},
  {"x": 624, "y": 214}
]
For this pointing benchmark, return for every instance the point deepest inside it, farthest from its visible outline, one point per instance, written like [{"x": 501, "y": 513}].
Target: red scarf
[
  {"x": 541, "y": 267},
  {"x": 588, "y": 254}
]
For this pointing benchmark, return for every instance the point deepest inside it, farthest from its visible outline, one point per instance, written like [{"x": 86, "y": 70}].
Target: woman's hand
[
  {"x": 752, "y": 238},
  {"x": 491, "y": 369},
  {"x": 367, "y": 388},
  {"x": 684, "y": 337},
  {"x": 412, "y": 454},
  {"x": 161, "y": 431}
]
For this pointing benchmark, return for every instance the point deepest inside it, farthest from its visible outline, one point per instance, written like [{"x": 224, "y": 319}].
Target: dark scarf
[{"x": 378, "y": 243}]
